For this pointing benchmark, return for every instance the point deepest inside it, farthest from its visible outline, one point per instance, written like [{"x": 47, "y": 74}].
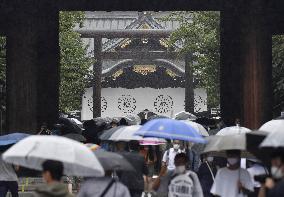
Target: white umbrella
[
  {"x": 233, "y": 130},
  {"x": 274, "y": 140},
  {"x": 32, "y": 151},
  {"x": 127, "y": 134},
  {"x": 133, "y": 119},
  {"x": 183, "y": 115},
  {"x": 273, "y": 126},
  {"x": 217, "y": 145},
  {"x": 198, "y": 127}
]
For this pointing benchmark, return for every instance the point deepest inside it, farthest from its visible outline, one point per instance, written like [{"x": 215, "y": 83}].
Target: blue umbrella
[
  {"x": 12, "y": 138},
  {"x": 170, "y": 129}
]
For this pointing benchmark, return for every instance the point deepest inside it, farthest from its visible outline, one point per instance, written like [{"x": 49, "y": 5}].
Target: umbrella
[
  {"x": 12, "y": 138},
  {"x": 233, "y": 130},
  {"x": 274, "y": 140},
  {"x": 113, "y": 161},
  {"x": 76, "y": 137},
  {"x": 32, "y": 151},
  {"x": 146, "y": 141},
  {"x": 107, "y": 133},
  {"x": 69, "y": 126},
  {"x": 217, "y": 145},
  {"x": 183, "y": 115},
  {"x": 93, "y": 147},
  {"x": 198, "y": 127},
  {"x": 126, "y": 134},
  {"x": 272, "y": 126},
  {"x": 133, "y": 119},
  {"x": 170, "y": 129}
]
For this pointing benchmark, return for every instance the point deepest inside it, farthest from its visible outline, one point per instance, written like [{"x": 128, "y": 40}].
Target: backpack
[{"x": 181, "y": 185}]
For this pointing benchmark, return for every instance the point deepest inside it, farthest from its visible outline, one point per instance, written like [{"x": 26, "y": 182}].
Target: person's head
[
  {"x": 233, "y": 158},
  {"x": 123, "y": 122},
  {"x": 180, "y": 162},
  {"x": 277, "y": 164},
  {"x": 120, "y": 146},
  {"x": 176, "y": 144},
  {"x": 134, "y": 145},
  {"x": 52, "y": 171},
  {"x": 207, "y": 157}
]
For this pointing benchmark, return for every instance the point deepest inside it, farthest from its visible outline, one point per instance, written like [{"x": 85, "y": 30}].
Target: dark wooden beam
[
  {"x": 142, "y": 5},
  {"x": 97, "y": 70},
  {"x": 127, "y": 33},
  {"x": 141, "y": 55},
  {"x": 189, "y": 92}
]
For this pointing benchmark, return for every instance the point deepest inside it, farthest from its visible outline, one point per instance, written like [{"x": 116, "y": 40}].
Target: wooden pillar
[
  {"x": 256, "y": 61},
  {"x": 230, "y": 74},
  {"x": 245, "y": 71},
  {"x": 97, "y": 72},
  {"x": 189, "y": 91},
  {"x": 32, "y": 68}
]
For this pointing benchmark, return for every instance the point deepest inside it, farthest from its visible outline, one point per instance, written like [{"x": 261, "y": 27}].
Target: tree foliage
[
  {"x": 199, "y": 34},
  {"x": 74, "y": 62},
  {"x": 278, "y": 73}
]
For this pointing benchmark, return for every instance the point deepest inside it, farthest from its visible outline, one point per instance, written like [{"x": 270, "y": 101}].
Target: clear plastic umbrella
[
  {"x": 233, "y": 130},
  {"x": 32, "y": 151}
]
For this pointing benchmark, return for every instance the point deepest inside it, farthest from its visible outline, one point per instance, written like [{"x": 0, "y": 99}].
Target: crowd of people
[{"x": 174, "y": 169}]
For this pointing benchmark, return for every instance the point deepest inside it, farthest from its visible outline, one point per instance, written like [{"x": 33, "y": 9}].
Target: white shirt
[
  {"x": 7, "y": 172},
  {"x": 226, "y": 182},
  {"x": 256, "y": 169},
  {"x": 94, "y": 187},
  {"x": 171, "y": 160}
]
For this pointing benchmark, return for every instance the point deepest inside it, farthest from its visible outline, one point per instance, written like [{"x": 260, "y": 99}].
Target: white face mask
[
  {"x": 176, "y": 146},
  {"x": 180, "y": 169},
  {"x": 276, "y": 172},
  {"x": 209, "y": 159},
  {"x": 233, "y": 160}
]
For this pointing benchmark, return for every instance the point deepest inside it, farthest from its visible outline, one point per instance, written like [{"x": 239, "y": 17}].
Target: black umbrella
[
  {"x": 107, "y": 133},
  {"x": 76, "y": 137},
  {"x": 69, "y": 126},
  {"x": 113, "y": 161}
]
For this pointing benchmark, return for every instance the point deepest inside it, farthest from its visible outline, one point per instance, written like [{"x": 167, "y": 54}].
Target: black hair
[
  {"x": 181, "y": 156},
  {"x": 233, "y": 152},
  {"x": 123, "y": 122},
  {"x": 134, "y": 145},
  {"x": 55, "y": 168}
]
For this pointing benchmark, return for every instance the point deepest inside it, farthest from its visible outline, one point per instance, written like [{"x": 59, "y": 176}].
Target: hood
[{"x": 55, "y": 189}]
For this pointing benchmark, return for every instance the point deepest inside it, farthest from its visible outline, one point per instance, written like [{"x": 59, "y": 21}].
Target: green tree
[
  {"x": 74, "y": 63},
  {"x": 277, "y": 73},
  {"x": 199, "y": 35}
]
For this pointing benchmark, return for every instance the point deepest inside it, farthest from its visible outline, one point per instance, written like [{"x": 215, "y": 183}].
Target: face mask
[
  {"x": 209, "y": 159},
  {"x": 176, "y": 146},
  {"x": 276, "y": 172},
  {"x": 180, "y": 169},
  {"x": 232, "y": 161}
]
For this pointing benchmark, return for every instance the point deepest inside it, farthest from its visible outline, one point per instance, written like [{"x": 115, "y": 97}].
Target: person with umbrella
[
  {"x": 274, "y": 186},
  {"x": 8, "y": 179},
  {"x": 134, "y": 180},
  {"x": 232, "y": 180},
  {"x": 52, "y": 173},
  {"x": 181, "y": 183},
  {"x": 206, "y": 174}
]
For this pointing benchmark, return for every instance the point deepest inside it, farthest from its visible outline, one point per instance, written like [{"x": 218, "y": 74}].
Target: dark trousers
[
  {"x": 6, "y": 186},
  {"x": 135, "y": 193}
]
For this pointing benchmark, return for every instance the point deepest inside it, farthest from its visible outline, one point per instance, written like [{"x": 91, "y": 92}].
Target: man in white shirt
[
  {"x": 169, "y": 156},
  {"x": 8, "y": 179},
  {"x": 232, "y": 181}
]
